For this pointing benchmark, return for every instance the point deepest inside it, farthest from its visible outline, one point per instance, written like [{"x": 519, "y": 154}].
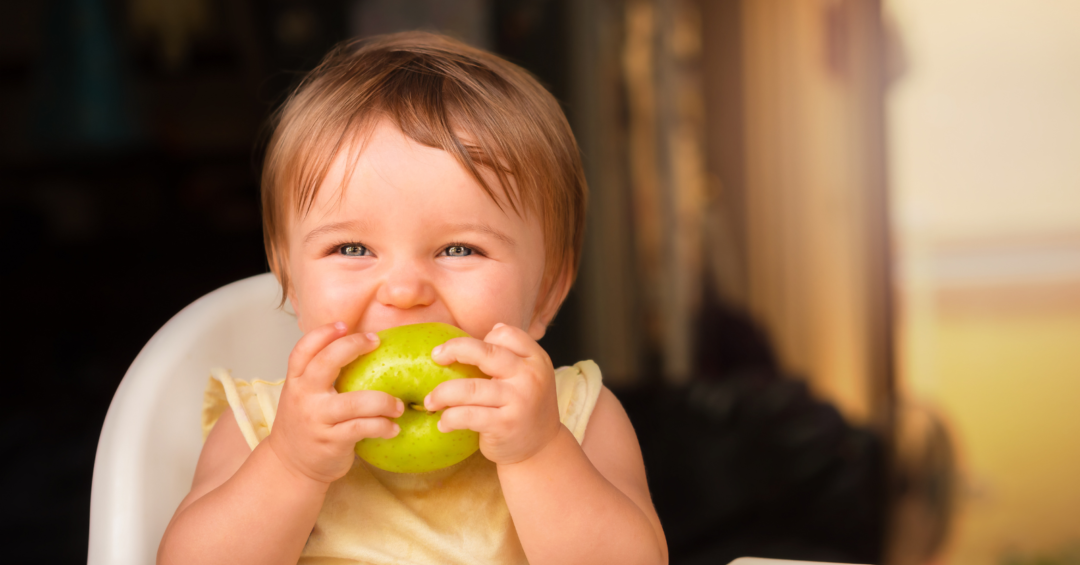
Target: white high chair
[{"x": 152, "y": 434}]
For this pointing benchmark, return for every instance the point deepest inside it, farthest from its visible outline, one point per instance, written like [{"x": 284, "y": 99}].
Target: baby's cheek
[
  {"x": 492, "y": 301},
  {"x": 328, "y": 299}
]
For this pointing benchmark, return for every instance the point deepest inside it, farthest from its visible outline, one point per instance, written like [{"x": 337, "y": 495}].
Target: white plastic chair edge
[{"x": 117, "y": 537}]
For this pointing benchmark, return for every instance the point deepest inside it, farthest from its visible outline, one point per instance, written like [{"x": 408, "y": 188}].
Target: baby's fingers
[
  {"x": 311, "y": 344},
  {"x": 476, "y": 392},
  {"x": 325, "y": 366},
  {"x": 514, "y": 339},
  {"x": 357, "y": 429},
  {"x": 363, "y": 404},
  {"x": 476, "y": 418},
  {"x": 493, "y": 360}
]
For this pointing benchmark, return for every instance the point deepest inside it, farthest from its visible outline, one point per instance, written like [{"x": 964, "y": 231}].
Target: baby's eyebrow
[
  {"x": 348, "y": 225},
  {"x": 486, "y": 229}
]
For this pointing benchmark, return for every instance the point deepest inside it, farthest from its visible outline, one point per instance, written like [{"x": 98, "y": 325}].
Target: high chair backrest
[{"x": 152, "y": 434}]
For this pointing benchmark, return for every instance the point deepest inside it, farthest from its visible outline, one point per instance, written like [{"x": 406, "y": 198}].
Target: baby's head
[{"x": 412, "y": 178}]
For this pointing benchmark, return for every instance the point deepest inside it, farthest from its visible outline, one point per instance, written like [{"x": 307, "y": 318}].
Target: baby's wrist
[
  {"x": 547, "y": 450},
  {"x": 291, "y": 474}
]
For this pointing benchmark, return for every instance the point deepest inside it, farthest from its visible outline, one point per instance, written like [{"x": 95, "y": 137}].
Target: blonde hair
[{"x": 479, "y": 108}]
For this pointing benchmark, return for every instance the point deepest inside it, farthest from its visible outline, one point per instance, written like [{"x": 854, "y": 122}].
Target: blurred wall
[
  {"x": 984, "y": 139},
  {"x": 735, "y": 154},
  {"x": 814, "y": 195}
]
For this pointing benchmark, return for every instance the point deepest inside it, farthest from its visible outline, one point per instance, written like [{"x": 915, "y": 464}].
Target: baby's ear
[{"x": 545, "y": 311}]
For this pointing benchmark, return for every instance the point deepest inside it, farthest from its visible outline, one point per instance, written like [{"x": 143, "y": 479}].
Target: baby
[{"x": 411, "y": 178}]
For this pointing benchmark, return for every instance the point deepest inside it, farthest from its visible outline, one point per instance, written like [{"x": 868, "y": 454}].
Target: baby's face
[{"x": 413, "y": 238}]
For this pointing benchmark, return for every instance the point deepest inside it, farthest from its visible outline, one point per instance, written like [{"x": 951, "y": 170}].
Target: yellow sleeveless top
[{"x": 455, "y": 515}]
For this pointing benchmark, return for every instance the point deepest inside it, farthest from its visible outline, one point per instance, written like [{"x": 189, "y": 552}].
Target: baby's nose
[{"x": 406, "y": 287}]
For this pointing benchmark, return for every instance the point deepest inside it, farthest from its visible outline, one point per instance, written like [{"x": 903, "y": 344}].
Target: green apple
[{"x": 402, "y": 366}]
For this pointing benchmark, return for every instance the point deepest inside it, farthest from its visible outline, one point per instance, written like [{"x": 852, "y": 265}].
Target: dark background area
[{"x": 129, "y": 188}]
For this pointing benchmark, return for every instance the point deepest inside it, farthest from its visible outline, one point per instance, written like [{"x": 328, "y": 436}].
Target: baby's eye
[
  {"x": 354, "y": 250},
  {"x": 458, "y": 251}
]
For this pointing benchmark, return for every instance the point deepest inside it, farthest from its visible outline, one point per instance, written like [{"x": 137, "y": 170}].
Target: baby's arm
[
  {"x": 244, "y": 506},
  {"x": 570, "y": 503},
  {"x": 587, "y": 503},
  {"x": 259, "y": 506}
]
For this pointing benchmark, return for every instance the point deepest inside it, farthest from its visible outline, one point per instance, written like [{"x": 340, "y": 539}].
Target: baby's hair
[{"x": 484, "y": 111}]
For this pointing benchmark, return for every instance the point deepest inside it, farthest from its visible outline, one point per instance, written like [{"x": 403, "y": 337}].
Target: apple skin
[{"x": 402, "y": 367}]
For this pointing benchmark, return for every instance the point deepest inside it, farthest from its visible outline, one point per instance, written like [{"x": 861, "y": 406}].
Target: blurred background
[{"x": 832, "y": 267}]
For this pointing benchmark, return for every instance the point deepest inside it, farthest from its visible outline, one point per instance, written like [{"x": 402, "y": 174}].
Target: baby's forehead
[
  {"x": 384, "y": 156},
  {"x": 390, "y": 190}
]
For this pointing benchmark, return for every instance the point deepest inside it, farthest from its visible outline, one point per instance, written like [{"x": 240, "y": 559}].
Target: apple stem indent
[{"x": 419, "y": 407}]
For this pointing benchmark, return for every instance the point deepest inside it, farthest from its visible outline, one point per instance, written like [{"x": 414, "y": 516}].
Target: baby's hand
[
  {"x": 316, "y": 428},
  {"x": 516, "y": 412}
]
